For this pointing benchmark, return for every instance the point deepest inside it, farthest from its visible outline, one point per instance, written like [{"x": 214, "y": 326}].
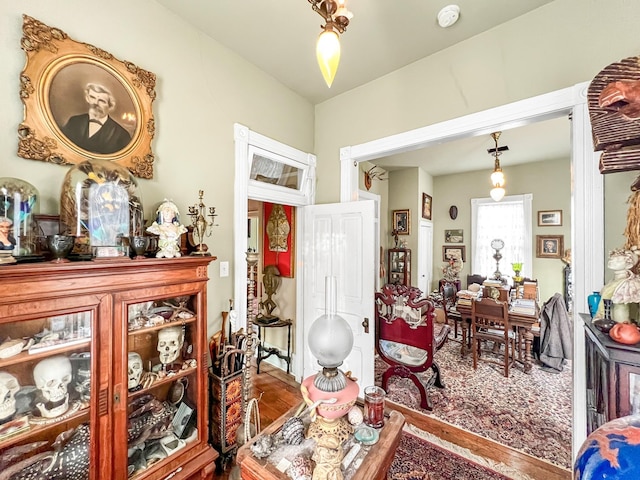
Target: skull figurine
[
  {"x": 170, "y": 341},
  {"x": 52, "y": 376},
  {"x": 134, "y": 370},
  {"x": 9, "y": 386}
]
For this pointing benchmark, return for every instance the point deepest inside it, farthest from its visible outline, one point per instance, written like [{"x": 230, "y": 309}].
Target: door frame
[{"x": 587, "y": 199}]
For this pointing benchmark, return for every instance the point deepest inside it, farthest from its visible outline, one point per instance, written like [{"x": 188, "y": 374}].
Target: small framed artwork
[
  {"x": 402, "y": 222},
  {"x": 549, "y": 246},
  {"x": 550, "y": 218},
  {"x": 453, "y": 236},
  {"x": 449, "y": 252},
  {"x": 426, "y": 206}
]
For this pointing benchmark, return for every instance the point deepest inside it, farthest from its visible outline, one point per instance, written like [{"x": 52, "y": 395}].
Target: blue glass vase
[{"x": 593, "y": 301}]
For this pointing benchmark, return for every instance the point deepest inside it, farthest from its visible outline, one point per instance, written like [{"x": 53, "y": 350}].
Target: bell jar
[
  {"x": 18, "y": 206},
  {"x": 100, "y": 206}
]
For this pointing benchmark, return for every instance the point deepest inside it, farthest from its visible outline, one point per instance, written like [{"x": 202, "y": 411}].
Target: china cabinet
[
  {"x": 613, "y": 377},
  {"x": 399, "y": 266},
  {"x": 103, "y": 369}
]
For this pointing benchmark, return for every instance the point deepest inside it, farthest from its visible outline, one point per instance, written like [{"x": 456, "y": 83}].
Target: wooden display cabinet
[
  {"x": 84, "y": 319},
  {"x": 613, "y": 377},
  {"x": 399, "y": 266}
]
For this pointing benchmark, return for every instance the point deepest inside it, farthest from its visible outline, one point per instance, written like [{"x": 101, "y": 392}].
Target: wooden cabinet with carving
[
  {"x": 105, "y": 368},
  {"x": 399, "y": 266}
]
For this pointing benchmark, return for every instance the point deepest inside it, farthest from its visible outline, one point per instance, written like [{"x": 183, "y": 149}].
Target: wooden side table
[
  {"x": 267, "y": 352},
  {"x": 374, "y": 466}
]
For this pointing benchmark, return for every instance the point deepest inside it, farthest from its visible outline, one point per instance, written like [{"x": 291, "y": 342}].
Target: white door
[
  {"x": 425, "y": 257},
  {"x": 339, "y": 241}
]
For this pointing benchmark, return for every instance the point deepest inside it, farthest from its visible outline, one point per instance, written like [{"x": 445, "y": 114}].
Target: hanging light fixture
[
  {"x": 497, "y": 177},
  {"x": 337, "y": 18}
]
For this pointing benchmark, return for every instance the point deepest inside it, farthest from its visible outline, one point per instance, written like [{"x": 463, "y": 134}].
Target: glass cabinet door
[
  {"x": 162, "y": 379},
  {"x": 45, "y": 393}
]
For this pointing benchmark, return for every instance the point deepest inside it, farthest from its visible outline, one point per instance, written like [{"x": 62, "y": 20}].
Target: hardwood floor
[{"x": 280, "y": 392}]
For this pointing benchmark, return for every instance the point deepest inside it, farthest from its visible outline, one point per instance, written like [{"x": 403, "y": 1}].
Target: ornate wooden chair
[
  {"x": 405, "y": 337},
  {"x": 448, "y": 291},
  {"x": 490, "y": 321}
]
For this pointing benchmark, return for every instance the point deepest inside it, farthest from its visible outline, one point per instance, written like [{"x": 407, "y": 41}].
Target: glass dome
[
  {"x": 100, "y": 206},
  {"x": 18, "y": 205}
]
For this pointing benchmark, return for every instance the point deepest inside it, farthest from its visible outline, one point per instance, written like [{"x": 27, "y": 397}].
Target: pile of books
[
  {"x": 525, "y": 306},
  {"x": 465, "y": 297}
]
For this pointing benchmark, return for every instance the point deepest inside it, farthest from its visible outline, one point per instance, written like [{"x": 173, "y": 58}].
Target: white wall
[{"x": 202, "y": 90}]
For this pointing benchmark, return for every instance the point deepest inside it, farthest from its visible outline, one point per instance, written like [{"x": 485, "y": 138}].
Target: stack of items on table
[
  {"x": 526, "y": 299},
  {"x": 465, "y": 297}
]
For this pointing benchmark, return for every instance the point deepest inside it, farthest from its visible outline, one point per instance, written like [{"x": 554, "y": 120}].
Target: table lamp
[{"x": 330, "y": 340}]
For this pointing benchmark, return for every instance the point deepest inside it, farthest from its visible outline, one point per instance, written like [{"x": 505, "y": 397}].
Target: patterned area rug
[
  {"x": 530, "y": 413},
  {"x": 439, "y": 460}
]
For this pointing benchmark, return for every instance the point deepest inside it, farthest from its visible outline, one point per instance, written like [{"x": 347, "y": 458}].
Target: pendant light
[
  {"x": 497, "y": 177},
  {"x": 337, "y": 18}
]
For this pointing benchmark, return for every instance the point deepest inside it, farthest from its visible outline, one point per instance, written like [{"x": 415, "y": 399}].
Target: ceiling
[{"x": 279, "y": 36}]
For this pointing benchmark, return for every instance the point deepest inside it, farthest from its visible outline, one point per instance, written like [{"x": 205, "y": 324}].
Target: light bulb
[
  {"x": 497, "y": 178},
  {"x": 497, "y": 193},
  {"x": 328, "y": 55}
]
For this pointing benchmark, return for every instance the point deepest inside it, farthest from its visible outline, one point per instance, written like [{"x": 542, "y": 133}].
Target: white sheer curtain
[{"x": 508, "y": 220}]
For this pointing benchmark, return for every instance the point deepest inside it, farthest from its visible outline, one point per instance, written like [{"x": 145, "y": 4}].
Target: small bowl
[{"x": 603, "y": 324}]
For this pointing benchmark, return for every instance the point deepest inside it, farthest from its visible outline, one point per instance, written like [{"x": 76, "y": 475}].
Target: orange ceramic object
[{"x": 626, "y": 333}]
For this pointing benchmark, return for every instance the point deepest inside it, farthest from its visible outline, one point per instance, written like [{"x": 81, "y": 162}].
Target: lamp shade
[
  {"x": 330, "y": 337},
  {"x": 497, "y": 193},
  {"x": 328, "y": 54},
  {"x": 497, "y": 178}
]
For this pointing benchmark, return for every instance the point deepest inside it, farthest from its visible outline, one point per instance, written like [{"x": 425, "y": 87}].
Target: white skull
[
  {"x": 9, "y": 386},
  {"x": 134, "y": 370},
  {"x": 170, "y": 343},
  {"x": 52, "y": 376}
]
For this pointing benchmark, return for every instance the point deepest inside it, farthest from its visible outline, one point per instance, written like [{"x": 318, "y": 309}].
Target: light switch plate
[{"x": 224, "y": 269}]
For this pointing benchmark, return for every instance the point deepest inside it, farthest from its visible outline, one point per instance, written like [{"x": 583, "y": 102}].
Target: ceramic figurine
[{"x": 168, "y": 228}]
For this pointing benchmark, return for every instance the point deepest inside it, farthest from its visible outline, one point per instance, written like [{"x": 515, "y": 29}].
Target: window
[{"x": 508, "y": 220}]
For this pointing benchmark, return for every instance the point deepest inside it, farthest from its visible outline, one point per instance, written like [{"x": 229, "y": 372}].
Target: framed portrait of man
[
  {"x": 80, "y": 102},
  {"x": 549, "y": 246}
]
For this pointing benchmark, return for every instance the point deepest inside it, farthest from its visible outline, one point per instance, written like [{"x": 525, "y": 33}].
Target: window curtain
[{"x": 508, "y": 220}]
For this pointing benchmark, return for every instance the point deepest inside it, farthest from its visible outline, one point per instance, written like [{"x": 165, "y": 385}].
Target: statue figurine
[
  {"x": 168, "y": 228},
  {"x": 624, "y": 288}
]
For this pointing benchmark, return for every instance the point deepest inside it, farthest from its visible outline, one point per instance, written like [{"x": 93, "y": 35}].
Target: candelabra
[{"x": 201, "y": 227}]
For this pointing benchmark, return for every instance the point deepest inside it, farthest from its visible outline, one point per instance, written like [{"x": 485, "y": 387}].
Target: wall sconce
[
  {"x": 337, "y": 18},
  {"x": 497, "y": 177}
]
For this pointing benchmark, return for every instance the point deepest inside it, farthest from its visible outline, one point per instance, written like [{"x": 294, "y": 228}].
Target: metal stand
[{"x": 267, "y": 352}]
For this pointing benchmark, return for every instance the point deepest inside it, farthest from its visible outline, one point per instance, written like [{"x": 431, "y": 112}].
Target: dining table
[{"x": 526, "y": 326}]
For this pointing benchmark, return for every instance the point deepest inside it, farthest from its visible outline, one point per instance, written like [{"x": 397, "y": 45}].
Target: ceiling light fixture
[
  {"x": 337, "y": 18},
  {"x": 497, "y": 177}
]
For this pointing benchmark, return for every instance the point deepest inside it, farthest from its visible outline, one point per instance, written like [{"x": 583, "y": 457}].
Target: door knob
[{"x": 365, "y": 324}]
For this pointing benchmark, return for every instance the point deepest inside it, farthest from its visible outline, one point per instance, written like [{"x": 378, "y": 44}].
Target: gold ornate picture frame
[{"x": 68, "y": 88}]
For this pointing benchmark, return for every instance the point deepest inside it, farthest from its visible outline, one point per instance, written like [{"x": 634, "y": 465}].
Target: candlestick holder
[{"x": 201, "y": 226}]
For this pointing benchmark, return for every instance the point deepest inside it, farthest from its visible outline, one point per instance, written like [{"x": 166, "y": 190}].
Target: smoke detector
[{"x": 448, "y": 15}]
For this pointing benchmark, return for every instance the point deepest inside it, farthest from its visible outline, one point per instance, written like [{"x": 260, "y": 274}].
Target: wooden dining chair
[
  {"x": 490, "y": 322},
  {"x": 453, "y": 318}
]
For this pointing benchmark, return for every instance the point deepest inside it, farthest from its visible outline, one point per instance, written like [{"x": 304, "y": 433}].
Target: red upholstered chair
[{"x": 405, "y": 337}]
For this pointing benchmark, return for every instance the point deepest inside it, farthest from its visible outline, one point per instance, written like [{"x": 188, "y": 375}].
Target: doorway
[{"x": 587, "y": 192}]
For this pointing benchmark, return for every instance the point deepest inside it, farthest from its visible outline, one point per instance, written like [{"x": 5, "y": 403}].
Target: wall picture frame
[
  {"x": 549, "y": 246},
  {"x": 454, "y": 251},
  {"x": 454, "y": 236},
  {"x": 279, "y": 238},
  {"x": 81, "y": 102},
  {"x": 402, "y": 222},
  {"x": 550, "y": 218},
  {"x": 426, "y": 206}
]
